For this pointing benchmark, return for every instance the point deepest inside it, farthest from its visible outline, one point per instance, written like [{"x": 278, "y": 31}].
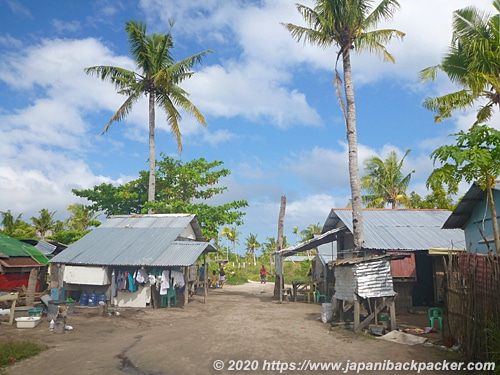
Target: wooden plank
[
  {"x": 30, "y": 292},
  {"x": 356, "y": 315}
]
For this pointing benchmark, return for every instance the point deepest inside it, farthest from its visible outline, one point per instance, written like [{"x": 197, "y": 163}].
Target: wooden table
[
  {"x": 13, "y": 298},
  {"x": 305, "y": 286}
]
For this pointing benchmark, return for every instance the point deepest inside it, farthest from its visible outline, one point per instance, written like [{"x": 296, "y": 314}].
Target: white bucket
[{"x": 326, "y": 312}]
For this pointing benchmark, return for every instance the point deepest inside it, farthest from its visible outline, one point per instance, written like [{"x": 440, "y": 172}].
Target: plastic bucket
[{"x": 53, "y": 308}]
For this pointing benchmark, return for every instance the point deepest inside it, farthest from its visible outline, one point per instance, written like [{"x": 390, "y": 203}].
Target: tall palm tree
[
  {"x": 158, "y": 78},
  {"x": 8, "y": 223},
  {"x": 309, "y": 233},
  {"x": 235, "y": 239},
  {"x": 44, "y": 223},
  {"x": 226, "y": 232},
  {"x": 251, "y": 245},
  {"x": 472, "y": 62},
  {"x": 295, "y": 231},
  {"x": 384, "y": 181},
  {"x": 348, "y": 25}
]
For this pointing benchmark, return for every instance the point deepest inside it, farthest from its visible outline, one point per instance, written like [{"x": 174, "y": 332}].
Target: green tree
[
  {"x": 271, "y": 245},
  {"x": 16, "y": 228},
  {"x": 82, "y": 217},
  {"x": 348, "y": 25},
  {"x": 295, "y": 230},
  {"x": 472, "y": 62},
  {"x": 474, "y": 157},
  {"x": 181, "y": 188},
  {"x": 159, "y": 78},
  {"x": 251, "y": 244},
  {"x": 226, "y": 232},
  {"x": 384, "y": 181},
  {"x": 235, "y": 239},
  {"x": 437, "y": 198},
  {"x": 8, "y": 223},
  {"x": 44, "y": 223},
  {"x": 310, "y": 231}
]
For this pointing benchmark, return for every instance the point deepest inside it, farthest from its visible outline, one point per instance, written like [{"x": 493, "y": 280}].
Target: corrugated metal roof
[
  {"x": 45, "y": 247},
  {"x": 298, "y": 258},
  {"x": 462, "y": 213},
  {"x": 135, "y": 241},
  {"x": 403, "y": 230}
]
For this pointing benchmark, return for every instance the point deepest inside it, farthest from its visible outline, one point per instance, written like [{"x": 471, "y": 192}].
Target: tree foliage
[
  {"x": 44, "y": 224},
  {"x": 16, "y": 228},
  {"x": 384, "y": 181},
  {"x": 182, "y": 187},
  {"x": 474, "y": 158},
  {"x": 158, "y": 78},
  {"x": 472, "y": 62},
  {"x": 348, "y": 25}
]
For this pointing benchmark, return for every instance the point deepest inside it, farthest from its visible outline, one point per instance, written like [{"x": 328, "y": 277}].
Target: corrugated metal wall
[{"x": 404, "y": 267}]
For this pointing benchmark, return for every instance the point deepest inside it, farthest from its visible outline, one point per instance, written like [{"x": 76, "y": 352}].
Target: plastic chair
[
  {"x": 436, "y": 313},
  {"x": 319, "y": 296},
  {"x": 165, "y": 299}
]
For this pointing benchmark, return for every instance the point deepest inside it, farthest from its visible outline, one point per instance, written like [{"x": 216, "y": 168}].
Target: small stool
[{"x": 436, "y": 313}]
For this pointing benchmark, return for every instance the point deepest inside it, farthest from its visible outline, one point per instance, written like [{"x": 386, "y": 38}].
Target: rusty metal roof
[
  {"x": 400, "y": 230},
  {"x": 138, "y": 240}
]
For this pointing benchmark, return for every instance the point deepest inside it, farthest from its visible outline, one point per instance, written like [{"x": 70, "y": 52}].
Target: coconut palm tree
[
  {"x": 295, "y": 231},
  {"x": 310, "y": 231},
  {"x": 348, "y": 25},
  {"x": 82, "y": 217},
  {"x": 384, "y": 181},
  {"x": 8, "y": 223},
  {"x": 472, "y": 62},
  {"x": 235, "y": 239},
  {"x": 251, "y": 245},
  {"x": 158, "y": 78},
  {"x": 44, "y": 223},
  {"x": 226, "y": 232}
]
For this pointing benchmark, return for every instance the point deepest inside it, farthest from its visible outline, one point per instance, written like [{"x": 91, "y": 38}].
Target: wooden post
[
  {"x": 205, "y": 278},
  {"x": 186, "y": 286},
  {"x": 356, "y": 314},
  {"x": 392, "y": 308},
  {"x": 281, "y": 224}
]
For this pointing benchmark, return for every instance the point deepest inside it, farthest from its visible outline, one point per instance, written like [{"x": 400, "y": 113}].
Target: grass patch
[{"x": 11, "y": 352}]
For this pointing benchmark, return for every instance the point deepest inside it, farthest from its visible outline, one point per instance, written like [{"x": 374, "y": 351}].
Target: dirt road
[{"x": 240, "y": 327}]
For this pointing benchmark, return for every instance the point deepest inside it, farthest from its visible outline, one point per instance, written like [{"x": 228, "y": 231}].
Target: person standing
[
  {"x": 214, "y": 283},
  {"x": 222, "y": 277},
  {"x": 263, "y": 274}
]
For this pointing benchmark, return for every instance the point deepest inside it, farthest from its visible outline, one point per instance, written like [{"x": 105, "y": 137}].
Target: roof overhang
[
  {"x": 443, "y": 251},
  {"x": 326, "y": 237},
  {"x": 20, "y": 262}
]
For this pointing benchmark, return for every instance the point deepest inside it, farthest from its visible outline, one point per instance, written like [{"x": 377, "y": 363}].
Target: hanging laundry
[
  {"x": 142, "y": 276},
  {"x": 131, "y": 284},
  {"x": 164, "y": 282},
  {"x": 178, "y": 278}
]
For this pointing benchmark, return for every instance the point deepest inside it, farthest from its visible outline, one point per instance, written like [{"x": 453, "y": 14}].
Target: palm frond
[{"x": 123, "y": 111}]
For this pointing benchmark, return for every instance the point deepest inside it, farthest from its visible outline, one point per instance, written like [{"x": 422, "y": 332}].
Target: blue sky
[{"x": 272, "y": 114}]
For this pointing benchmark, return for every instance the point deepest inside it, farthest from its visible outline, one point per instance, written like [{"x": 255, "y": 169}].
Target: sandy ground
[{"x": 240, "y": 327}]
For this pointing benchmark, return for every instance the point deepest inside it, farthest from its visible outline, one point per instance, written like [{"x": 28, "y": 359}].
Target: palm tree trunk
[
  {"x": 152, "y": 151},
  {"x": 494, "y": 220},
  {"x": 352, "y": 141}
]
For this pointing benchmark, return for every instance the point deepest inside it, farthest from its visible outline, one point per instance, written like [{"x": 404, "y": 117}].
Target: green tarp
[{"x": 12, "y": 247}]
